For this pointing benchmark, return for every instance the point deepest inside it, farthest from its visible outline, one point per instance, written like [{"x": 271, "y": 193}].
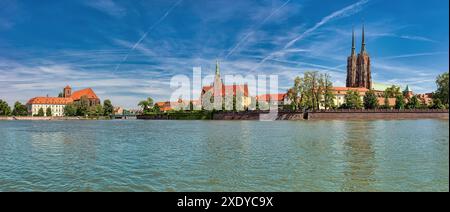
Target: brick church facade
[{"x": 358, "y": 66}]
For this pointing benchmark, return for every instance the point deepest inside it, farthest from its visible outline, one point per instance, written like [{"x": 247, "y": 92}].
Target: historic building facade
[
  {"x": 358, "y": 66},
  {"x": 57, "y": 104},
  {"x": 76, "y": 96},
  {"x": 218, "y": 90}
]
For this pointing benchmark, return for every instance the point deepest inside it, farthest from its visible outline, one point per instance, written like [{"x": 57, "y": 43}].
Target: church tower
[
  {"x": 351, "y": 65},
  {"x": 67, "y": 92},
  {"x": 363, "y": 72},
  {"x": 217, "y": 80}
]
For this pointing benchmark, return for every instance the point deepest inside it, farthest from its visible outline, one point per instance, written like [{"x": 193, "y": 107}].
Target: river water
[{"x": 134, "y": 155}]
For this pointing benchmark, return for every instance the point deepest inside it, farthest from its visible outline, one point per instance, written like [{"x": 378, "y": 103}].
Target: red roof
[
  {"x": 88, "y": 92},
  {"x": 234, "y": 88},
  {"x": 161, "y": 104},
  {"x": 167, "y": 106},
  {"x": 274, "y": 97},
  {"x": 50, "y": 100},
  {"x": 349, "y": 88}
]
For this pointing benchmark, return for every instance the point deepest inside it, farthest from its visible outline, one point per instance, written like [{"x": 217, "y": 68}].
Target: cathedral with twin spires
[{"x": 358, "y": 66}]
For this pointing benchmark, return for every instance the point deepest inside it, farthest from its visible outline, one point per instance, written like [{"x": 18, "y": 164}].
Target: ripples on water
[{"x": 224, "y": 156}]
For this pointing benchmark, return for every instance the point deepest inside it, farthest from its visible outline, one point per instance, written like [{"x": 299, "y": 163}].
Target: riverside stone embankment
[
  {"x": 43, "y": 118},
  {"x": 377, "y": 114},
  {"x": 309, "y": 115},
  {"x": 281, "y": 115}
]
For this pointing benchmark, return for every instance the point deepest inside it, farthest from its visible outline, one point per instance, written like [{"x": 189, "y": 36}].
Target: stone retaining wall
[
  {"x": 377, "y": 115},
  {"x": 40, "y": 118},
  {"x": 257, "y": 116}
]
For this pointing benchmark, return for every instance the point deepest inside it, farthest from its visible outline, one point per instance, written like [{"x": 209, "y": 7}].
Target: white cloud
[{"x": 107, "y": 6}]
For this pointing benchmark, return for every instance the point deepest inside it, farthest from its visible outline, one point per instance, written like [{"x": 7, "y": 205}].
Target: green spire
[
  {"x": 363, "y": 48},
  {"x": 217, "y": 68},
  {"x": 407, "y": 89}
]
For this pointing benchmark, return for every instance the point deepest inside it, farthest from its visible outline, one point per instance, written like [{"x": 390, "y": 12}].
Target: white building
[{"x": 54, "y": 103}]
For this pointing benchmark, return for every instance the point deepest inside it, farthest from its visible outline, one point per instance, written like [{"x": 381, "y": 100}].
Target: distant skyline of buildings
[
  {"x": 408, "y": 44},
  {"x": 358, "y": 79},
  {"x": 57, "y": 104}
]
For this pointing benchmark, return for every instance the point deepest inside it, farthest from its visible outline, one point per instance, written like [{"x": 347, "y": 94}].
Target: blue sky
[{"x": 128, "y": 50}]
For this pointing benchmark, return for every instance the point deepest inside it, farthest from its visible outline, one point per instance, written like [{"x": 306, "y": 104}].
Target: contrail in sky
[
  {"x": 344, "y": 12},
  {"x": 413, "y": 55},
  {"x": 349, "y": 10},
  {"x": 252, "y": 31},
  {"x": 147, "y": 32}
]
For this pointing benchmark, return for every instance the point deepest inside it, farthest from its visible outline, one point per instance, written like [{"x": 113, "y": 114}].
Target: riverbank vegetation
[
  {"x": 310, "y": 91},
  {"x": 84, "y": 108},
  {"x": 80, "y": 108},
  {"x": 5, "y": 110},
  {"x": 313, "y": 91}
]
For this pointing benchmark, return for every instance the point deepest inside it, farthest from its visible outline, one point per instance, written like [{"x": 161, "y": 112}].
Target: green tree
[
  {"x": 60, "y": 95},
  {"x": 442, "y": 88},
  {"x": 150, "y": 101},
  {"x": 352, "y": 100},
  {"x": 191, "y": 107},
  {"x": 19, "y": 109},
  {"x": 437, "y": 104},
  {"x": 423, "y": 104},
  {"x": 326, "y": 88},
  {"x": 370, "y": 100},
  {"x": 413, "y": 103},
  {"x": 294, "y": 98},
  {"x": 40, "y": 112},
  {"x": 295, "y": 93},
  {"x": 108, "y": 108},
  {"x": 70, "y": 110},
  {"x": 100, "y": 111},
  {"x": 156, "y": 108},
  {"x": 91, "y": 112},
  {"x": 311, "y": 91},
  {"x": 308, "y": 91},
  {"x": 83, "y": 106},
  {"x": 256, "y": 104},
  {"x": 311, "y": 81},
  {"x": 399, "y": 102},
  {"x": 146, "y": 105},
  {"x": 48, "y": 112},
  {"x": 392, "y": 92},
  {"x": 5, "y": 110}
]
